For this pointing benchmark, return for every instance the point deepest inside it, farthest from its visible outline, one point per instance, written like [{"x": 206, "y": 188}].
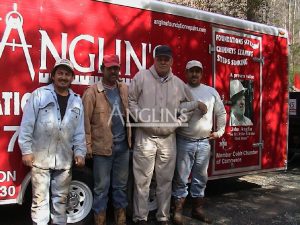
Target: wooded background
[{"x": 280, "y": 13}]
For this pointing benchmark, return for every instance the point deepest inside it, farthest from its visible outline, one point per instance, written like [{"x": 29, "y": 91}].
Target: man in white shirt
[{"x": 193, "y": 147}]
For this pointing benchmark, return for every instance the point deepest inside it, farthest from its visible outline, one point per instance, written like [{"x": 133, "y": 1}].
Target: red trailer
[{"x": 34, "y": 33}]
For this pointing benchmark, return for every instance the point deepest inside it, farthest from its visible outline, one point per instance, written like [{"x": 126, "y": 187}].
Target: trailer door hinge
[
  {"x": 260, "y": 60},
  {"x": 258, "y": 145},
  {"x": 211, "y": 49}
]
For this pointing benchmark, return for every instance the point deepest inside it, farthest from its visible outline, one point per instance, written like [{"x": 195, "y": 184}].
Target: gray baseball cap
[
  {"x": 64, "y": 62},
  {"x": 193, "y": 63}
]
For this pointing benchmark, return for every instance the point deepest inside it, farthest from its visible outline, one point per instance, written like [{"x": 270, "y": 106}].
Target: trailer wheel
[{"x": 80, "y": 197}]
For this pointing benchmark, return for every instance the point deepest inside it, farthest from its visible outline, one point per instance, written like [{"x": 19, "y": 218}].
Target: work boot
[
  {"x": 100, "y": 218},
  {"x": 178, "y": 208},
  {"x": 197, "y": 210},
  {"x": 120, "y": 216}
]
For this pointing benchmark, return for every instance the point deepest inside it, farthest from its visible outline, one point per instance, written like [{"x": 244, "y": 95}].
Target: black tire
[
  {"x": 291, "y": 156},
  {"x": 80, "y": 198}
]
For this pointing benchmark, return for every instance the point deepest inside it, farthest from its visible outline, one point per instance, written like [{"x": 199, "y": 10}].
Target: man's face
[
  {"x": 111, "y": 74},
  {"x": 194, "y": 76},
  {"x": 162, "y": 64},
  {"x": 62, "y": 78},
  {"x": 239, "y": 107}
]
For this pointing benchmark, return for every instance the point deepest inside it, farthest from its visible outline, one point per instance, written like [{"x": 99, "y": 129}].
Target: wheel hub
[{"x": 73, "y": 200}]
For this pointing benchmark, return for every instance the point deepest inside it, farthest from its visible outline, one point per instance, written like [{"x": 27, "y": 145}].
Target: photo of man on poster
[{"x": 238, "y": 105}]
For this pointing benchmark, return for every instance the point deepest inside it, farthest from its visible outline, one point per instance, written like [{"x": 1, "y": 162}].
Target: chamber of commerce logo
[{"x": 14, "y": 21}]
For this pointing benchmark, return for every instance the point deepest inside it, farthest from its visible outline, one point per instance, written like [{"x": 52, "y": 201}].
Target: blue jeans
[
  {"x": 111, "y": 170},
  {"x": 192, "y": 159}
]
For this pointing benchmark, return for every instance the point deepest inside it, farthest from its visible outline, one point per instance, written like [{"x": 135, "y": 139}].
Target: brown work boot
[
  {"x": 197, "y": 210},
  {"x": 178, "y": 208},
  {"x": 100, "y": 218},
  {"x": 120, "y": 216}
]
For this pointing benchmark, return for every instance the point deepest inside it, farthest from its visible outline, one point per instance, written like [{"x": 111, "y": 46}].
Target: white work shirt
[{"x": 200, "y": 126}]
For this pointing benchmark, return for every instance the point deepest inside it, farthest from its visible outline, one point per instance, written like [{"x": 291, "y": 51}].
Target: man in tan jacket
[
  {"x": 108, "y": 139},
  {"x": 155, "y": 96}
]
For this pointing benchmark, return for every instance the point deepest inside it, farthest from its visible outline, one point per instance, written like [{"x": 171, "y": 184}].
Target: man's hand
[
  {"x": 202, "y": 107},
  {"x": 89, "y": 155},
  {"x": 28, "y": 160},
  {"x": 213, "y": 135},
  {"x": 79, "y": 161}
]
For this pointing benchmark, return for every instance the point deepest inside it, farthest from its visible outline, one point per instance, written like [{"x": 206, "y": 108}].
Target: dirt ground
[
  {"x": 271, "y": 198},
  {"x": 263, "y": 199}
]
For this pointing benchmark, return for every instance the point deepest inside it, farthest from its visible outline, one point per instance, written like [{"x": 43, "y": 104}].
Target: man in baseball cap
[
  {"x": 194, "y": 140},
  {"x": 163, "y": 50},
  {"x": 156, "y": 86},
  {"x": 53, "y": 112},
  {"x": 193, "y": 71},
  {"x": 65, "y": 63},
  {"x": 111, "y": 60},
  {"x": 108, "y": 140},
  {"x": 193, "y": 63}
]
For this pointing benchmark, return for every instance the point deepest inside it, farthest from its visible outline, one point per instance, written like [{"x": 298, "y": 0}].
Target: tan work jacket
[{"x": 97, "y": 118}]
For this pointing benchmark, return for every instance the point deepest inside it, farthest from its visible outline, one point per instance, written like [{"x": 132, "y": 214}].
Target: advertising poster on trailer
[{"x": 239, "y": 70}]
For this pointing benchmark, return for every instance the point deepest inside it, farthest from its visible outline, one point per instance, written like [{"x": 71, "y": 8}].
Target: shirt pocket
[
  {"x": 75, "y": 113},
  {"x": 99, "y": 117},
  {"x": 46, "y": 115}
]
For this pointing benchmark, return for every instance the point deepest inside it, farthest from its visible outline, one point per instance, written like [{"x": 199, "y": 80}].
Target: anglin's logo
[
  {"x": 14, "y": 20},
  {"x": 149, "y": 117}
]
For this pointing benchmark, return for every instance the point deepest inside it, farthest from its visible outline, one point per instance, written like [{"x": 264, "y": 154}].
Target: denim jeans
[
  {"x": 44, "y": 180},
  {"x": 111, "y": 171},
  {"x": 192, "y": 160}
]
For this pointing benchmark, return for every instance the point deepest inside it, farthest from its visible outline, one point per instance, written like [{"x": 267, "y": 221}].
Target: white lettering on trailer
[
  {"x": 73, "y": 44},
  {"x": 235, "y": 160},
  {"x": 130, "y": 52},
  {"x": 227, "y": 50},
  {"x": 242, "y": 76},
  {"x": 223, "y": 60},
  {"x": 245, "y": 52},
  {"x": 240, "y": 62},
  {"x": 7, "y": 176},
  {"x": 250, "y": 43},
  {"x": 16, "y": 23},
  {"x": 229, "y": 39},
  {"x": 7, "y": 191},
  {"x": 12, "y": 99},
  {"x": 12, "y": 141},
  {"x": 46, "y": 43},
  {"x": 79, "y": 79}
]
